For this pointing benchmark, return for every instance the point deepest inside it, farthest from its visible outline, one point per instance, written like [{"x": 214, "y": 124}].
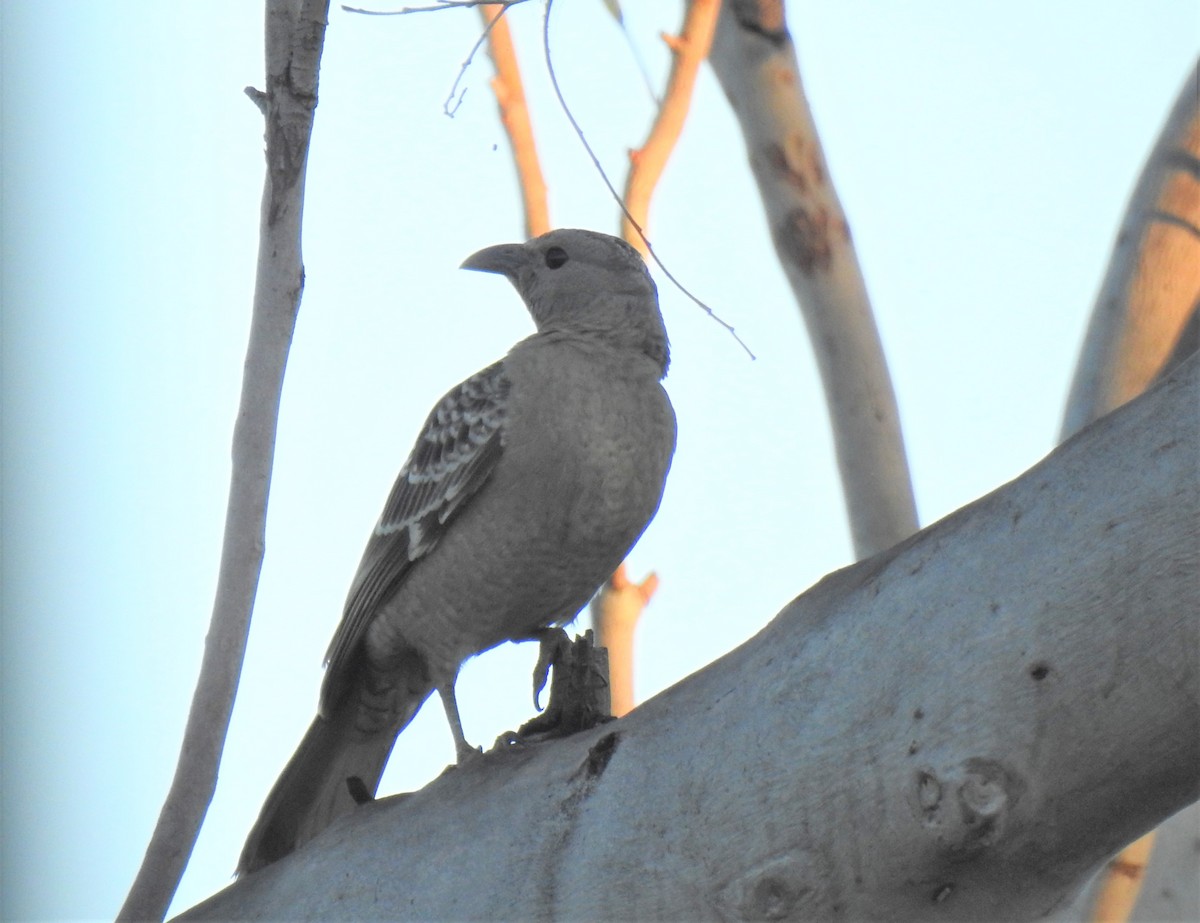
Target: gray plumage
[{"x": 529, "y": 483}]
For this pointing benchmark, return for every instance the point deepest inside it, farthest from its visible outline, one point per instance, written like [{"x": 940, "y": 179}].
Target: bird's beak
[{"x": 505, "y": 259}]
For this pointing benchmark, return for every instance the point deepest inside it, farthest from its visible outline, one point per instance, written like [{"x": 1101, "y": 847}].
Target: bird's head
[{"x": 582, "y": 283}]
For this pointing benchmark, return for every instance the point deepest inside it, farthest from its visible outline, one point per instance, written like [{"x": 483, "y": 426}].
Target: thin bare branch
[
  {"x": 634, "y": 52},
  {"x": 441, "y": 5},
  {"x": 613, "y": 189},
  {"x": 454, "y": 98},
  {"x": 755, "y": 61},
  {"x": 647, "y": 164},
  {"x": 295, "y": 32},
  {"x": 618, "y": 607},
  {"x": 514, "y": 115}
]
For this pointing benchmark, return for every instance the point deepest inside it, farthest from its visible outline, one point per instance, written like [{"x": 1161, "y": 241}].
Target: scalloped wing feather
[{"x": 455, "y": 455}]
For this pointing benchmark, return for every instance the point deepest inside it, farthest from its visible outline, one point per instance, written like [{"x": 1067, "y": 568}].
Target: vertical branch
[
  {"x": 615, "y": 614},
  {"x": 618, "y": 606},
  {"x": 295, "y": 34},
  {"x": 755, "y": 62},
  {"x": 1122, "y": 882},
  {"x": 1140, "y": 319},
  {"x": 514, "y": 114},
  {"x": 688, "y": 52},
  {"x": 1153, "y": 276},
  {"x": 620, "y": 603}
]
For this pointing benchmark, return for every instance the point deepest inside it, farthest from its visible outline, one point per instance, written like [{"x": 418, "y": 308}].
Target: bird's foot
[{"x": 579, "y": 694}]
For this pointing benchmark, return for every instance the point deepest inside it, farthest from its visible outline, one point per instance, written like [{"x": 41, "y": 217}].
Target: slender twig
[
  {"x": 647, "y": 164},
  {"x": 294, "y": 40},
  {"x": 615, "y": 9},
  {"x": 618, "y": 606},
  {"x": 514, "y": 115},
  {"x": 451, "y": 103},
  {"x": 441, "y": 5},
  {"x": 613, "y": 189},
  {"x": 454, "y": 99}
]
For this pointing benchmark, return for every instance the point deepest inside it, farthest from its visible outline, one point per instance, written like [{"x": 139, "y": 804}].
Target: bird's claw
[
  {"x": 579, "y": 696},
  {"x": 551, "y": 641}
]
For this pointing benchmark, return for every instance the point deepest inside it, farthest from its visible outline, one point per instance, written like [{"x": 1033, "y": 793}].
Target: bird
[{"x": 528, "y": 484}]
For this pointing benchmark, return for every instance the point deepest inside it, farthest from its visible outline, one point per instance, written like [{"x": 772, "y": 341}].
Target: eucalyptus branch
[
  {"x": 688, "y": 52},
  {"x": 295, "y": 35},
  {"x": 613, "y": 189},
  {"x": 514, "y": 115}
]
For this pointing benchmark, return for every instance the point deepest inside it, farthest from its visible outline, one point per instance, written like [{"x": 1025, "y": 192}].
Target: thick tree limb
[
  {"x": 1140, "y": 326},
  {"x": 1153, "y": 278},
  {"x": 960, "y": 728},
  {"x": 295, "y": 31},
  {"x": 755, "y": 61}
]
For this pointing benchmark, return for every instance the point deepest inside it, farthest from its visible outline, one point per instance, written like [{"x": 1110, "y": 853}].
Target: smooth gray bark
[
  {"x": 960, "y": 728},
  {"x": 755, "y": 61},
  {"x": 295, "y": 34}
]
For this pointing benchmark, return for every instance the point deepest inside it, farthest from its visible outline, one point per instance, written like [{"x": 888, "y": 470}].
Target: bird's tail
[{"x": 316, "y": 787}]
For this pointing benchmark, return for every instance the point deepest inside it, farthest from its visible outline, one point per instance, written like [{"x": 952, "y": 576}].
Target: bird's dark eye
[{"x": 555, "y": 257}]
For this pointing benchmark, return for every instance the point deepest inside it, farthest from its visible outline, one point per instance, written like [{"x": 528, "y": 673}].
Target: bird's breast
[
  {"x": 597, "y": 443},
  {"x": 587, "y": 446}
]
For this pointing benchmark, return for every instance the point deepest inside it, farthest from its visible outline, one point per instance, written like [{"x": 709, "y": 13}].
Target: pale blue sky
[{"x": 983, "y": 151}]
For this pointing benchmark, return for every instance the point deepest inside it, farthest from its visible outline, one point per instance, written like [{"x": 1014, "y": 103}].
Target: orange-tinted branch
[
  {"x": 615, "y": 614},
  {"x": 1123, "y": 882},
  {"x": 618, "y": 607},
  {"x": 1153, "y": 277},
  {"x": 1145, "y": 304},
  {"x": 647, "y": 164},
  {"x": 514, "y": 114}
]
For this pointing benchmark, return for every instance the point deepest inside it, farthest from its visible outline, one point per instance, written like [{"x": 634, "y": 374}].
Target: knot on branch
[
  {"x": 805, "y": 237},
  {"x": 764, "y": 18},
  {"x": 967, "y": 808},
  {"x": 798, "y": 164},
  {"x": 788, "y": 887}
]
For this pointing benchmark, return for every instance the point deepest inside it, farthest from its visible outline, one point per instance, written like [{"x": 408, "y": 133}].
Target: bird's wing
[{"x": 455, "y": 455}]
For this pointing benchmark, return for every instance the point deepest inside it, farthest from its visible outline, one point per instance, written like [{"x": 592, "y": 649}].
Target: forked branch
[
  {"x": 688, "y": 52},
  {"x": 514, "y": 115}
]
